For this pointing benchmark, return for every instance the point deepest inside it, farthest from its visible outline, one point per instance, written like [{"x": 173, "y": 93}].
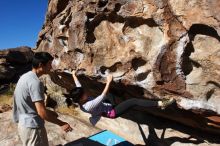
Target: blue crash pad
[{"x": 108, "y": 138}]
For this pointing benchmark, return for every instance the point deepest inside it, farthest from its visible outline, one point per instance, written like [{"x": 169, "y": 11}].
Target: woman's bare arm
[
  {"x": 89, "y": 106},
  {"x": 109, "y": 80},
  {"x": 76, "y": 79}
]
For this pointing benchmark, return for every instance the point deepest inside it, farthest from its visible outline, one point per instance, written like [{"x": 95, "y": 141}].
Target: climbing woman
[{"x": 98, "y": 107}]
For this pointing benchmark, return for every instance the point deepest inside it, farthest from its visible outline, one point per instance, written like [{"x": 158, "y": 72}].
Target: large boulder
[
  {"x": 149, "y": 130},
  {"x": 14, "y": 62},
  {"x": 154, "y": 49}
]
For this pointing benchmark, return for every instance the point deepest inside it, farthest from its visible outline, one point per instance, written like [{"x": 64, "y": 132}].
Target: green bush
[{"x": 11, "y": 89}]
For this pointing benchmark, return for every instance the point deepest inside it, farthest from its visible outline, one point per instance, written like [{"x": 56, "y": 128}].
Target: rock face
[
  {"x": 154, "y": 49},
  {"x": 14, "y": 62}
]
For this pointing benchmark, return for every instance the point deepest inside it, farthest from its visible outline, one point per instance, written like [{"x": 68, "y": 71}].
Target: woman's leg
[{"x": 130, "y": 103}]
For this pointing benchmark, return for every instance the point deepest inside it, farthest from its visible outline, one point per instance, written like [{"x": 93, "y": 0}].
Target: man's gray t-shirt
[{"x": 28, "y": 90}]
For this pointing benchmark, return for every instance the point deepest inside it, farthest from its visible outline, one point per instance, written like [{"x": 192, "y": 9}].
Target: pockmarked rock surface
[
  {"x": 149, "y": 131},
  {"x": 154, "y": 49}
]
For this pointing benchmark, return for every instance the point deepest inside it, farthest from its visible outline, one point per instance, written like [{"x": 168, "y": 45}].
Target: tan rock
[
  {"x": 5, "y": 108},
  {"x": 147, "y": 131},
  {"x": 9, "y": 134},
  {"x": 203, "y": 80}
]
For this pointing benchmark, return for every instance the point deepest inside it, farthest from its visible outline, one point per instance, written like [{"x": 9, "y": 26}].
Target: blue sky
[{"x": 20, "y": 22}]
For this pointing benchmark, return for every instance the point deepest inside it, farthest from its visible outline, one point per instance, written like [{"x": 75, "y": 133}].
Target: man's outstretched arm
[{"x": 50, "y": 117}]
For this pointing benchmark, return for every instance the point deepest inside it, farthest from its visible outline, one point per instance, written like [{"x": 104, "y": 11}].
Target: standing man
[{"x": 29, "y": 110}]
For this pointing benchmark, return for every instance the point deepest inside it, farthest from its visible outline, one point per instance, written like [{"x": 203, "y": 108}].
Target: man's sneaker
[{"x": 167, "y": 102}]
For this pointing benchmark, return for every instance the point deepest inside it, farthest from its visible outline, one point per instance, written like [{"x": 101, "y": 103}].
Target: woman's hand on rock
[
  {"x": 109, "y": 78},
  {"x": 74, "y": 73}
]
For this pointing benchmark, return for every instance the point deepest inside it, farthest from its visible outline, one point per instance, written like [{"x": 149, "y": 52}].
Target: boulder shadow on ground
[
  {"x": 83, "y": 141},
  {"x": 193, "y": 136}
]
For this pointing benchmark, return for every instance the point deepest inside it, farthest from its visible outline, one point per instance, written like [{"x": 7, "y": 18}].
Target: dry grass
[
  {"x": 6, "y": 99},
  {"x": 67, "y": 110},
  {"x": 10, "y": 92}
]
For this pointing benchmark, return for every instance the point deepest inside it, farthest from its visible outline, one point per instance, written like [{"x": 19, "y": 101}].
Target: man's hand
[
  {"x": 66, "y": 127},
  {"x": 109, "y": 78}
]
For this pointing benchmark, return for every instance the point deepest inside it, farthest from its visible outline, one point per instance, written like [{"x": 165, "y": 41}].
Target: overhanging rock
[{"x": 154, "y": 49}]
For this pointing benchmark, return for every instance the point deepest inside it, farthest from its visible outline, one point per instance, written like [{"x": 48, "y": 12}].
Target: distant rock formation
[
  {"x": 14, "y": 62},
  {"x": 153, "y": 48}
]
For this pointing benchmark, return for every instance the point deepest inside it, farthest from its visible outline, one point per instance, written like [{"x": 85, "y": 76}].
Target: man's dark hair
[
  {"x": 76, "y": 93},
  {"x": 41, "y": 58}
]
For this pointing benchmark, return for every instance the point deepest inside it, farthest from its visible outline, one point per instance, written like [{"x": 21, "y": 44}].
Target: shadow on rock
[{"x": 193, "y": 136}]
